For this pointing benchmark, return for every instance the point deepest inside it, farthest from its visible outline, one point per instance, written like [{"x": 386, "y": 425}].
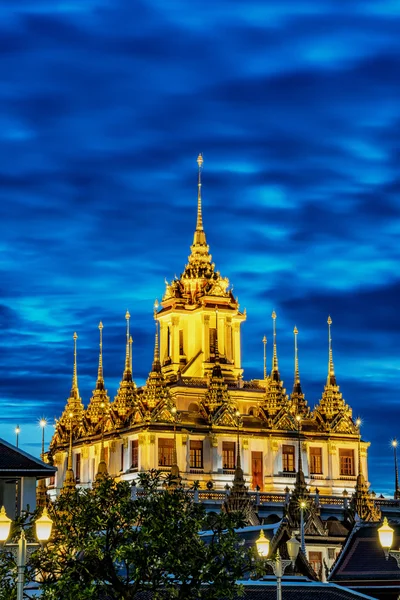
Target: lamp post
[
  {"x": 17, "y": 432},
  {"x": 237, "y": 415},
  {"x": 386, "y": 540},
  {"x": 277, "y": 564},
  {"x": 396, "y": 472},
  {"x": 42, "y": 423},
  {"x": 43, "y": 527}
]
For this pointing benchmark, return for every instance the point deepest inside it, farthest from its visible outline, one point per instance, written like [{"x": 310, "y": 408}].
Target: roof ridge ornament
[{"x": 275, "y": 370}]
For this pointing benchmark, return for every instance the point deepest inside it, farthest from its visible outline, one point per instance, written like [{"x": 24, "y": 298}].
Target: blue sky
[{"x": 104, "y": 106}]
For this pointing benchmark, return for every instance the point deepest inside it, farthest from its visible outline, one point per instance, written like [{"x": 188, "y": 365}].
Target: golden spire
[
  {"x": 100, "y": 377},
  {"x": 156, "y": 359},
  {"x": 127, "y": 372},
  {"x": 296, "y": 357},
  {"x": 331, "y": 370},
  {"x": 264, "y": 341},
  {"x": 199, "y": 238},
  {"x": 74, "y": 390},
  {"x": 275, "y": 371},
  {"x": 130, "y": 351},
  {"x": 358, "y": 423},
  {"x": 199, "y": 224}
]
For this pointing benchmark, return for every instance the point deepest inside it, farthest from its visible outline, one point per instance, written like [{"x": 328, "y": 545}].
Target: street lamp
[
  {"x": 43, "y": 526},
  {"x": 278, "y": 565},
  {"x": 42, "y": 424},
  {"x": 386, "y": 540},
  {"x": 17, "y": 432}
]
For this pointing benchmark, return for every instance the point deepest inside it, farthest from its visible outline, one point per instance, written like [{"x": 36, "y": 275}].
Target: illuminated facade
[{"x": 197, "y": 411}]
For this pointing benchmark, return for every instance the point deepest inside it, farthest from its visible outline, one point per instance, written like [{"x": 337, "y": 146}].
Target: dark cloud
[{"x": 103, "y": 111}]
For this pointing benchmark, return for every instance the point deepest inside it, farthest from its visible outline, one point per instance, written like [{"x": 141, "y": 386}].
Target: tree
[{"x": 107, "y": 546}]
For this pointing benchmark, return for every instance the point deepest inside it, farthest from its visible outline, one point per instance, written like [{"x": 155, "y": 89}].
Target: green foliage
[
  {"x": 8, "y": 574},
  {"x": 106, "y": 546}
]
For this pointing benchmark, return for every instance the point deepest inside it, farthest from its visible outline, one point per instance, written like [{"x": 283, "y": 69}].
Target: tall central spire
[
  {"x": 100, "y": 377},
  {"x": 74, "y": 389},
  {"x": 128, "y": 371},
  {"x": 199, "y": 238},
  {"x": 199, "y": 224},
  {"x": 331, "y": 370}
]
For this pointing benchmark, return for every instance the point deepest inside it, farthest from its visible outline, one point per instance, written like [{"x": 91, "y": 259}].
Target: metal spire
[
  {"x": 275, "y": 370},
  {"x": 264, "y": 341},
  {"x": 75, "y": 391},
  {"x": 331, "y": 370},
  {"x": 296, "y": 357},
  {"x": 199, "y": 223},
  {"x": 156, "y": 359},
  {"x": 100, "y": 378}
]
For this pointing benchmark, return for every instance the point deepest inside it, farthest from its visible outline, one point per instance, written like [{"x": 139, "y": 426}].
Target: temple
[{"x": 197, "y": 415}]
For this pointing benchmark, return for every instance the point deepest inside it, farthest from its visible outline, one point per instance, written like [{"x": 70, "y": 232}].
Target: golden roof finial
[
  {"x": 331, "y": 369},
  {"x": 75, "y": 372},
  {"x": 127, "y": 360},
  {"x": 130, "y": 351},
  {"x": 156, "y": 360},
  {"x": 264, "y": 341},
  {"x": 100, "y": 378},
  {"x": 296, "y": 357},
  {"x": 199, "y": 224},
  {"x": 275, "y": 354}
]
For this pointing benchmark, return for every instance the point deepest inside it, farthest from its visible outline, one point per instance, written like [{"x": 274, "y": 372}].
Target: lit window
[
  {"x": 316, "y": 461},
  {"x": 346, "y": 457},
  {"x": 196, "y": 454},
  {"x": 288, "y": 458},
  {"x": 228, "y": 455},
  {"x": 165, "y": 452},
  {"x": 135, "y": 454}
]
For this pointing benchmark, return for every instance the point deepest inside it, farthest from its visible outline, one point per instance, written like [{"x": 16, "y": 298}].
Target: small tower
[
  {"x": 332, "y": 401},
  {"x": 126, "y": 398},
  {"x": 99, "y": 400},
  {"x": 74, "y": 404},
  {"x": 297, "y": 399},
  {"x": 275, "y": 396}
]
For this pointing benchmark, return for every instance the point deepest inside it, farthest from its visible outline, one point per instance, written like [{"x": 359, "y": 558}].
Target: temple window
[
  {"x": 228, "y": 455},
  {"x": 213, "y": 341},
  {"x": 196, "y": 454},
  {"x": 78, "y": 466},
  {"x": 316, "y": 461},
  {"x": 346, "y": 458},
  {"x": 135, "y": 454},
  {"x": 288, "y": 458},
  {"x": 165, "y": 452}
]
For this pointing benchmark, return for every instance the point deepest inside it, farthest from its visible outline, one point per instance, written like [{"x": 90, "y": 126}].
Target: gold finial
[
  {"x": 199, "y": 224},
  {"x": 275, "y": 354},
  {"x": 75, "y": 372},
  {"x": 130, "y": 351},
  {"x": 264, "y": 341},
  {"x": 127, "y": 360},
  {"x": 296, "y": 358},
  {"x": 100, "y": 371},
  {"x": 156, "y": 348},
  {"x": 331, "y": 369}
]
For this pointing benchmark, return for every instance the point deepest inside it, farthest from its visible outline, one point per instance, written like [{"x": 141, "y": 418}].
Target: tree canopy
[{"x": 107, "y": 546}]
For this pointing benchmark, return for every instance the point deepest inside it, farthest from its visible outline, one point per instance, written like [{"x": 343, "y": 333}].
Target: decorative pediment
[
  {"x": 343, "y": 425},
  {"x": 285, "y": 421},
  {"x": 162, "y": 412},
  {"x": 225, "y": 416}
]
